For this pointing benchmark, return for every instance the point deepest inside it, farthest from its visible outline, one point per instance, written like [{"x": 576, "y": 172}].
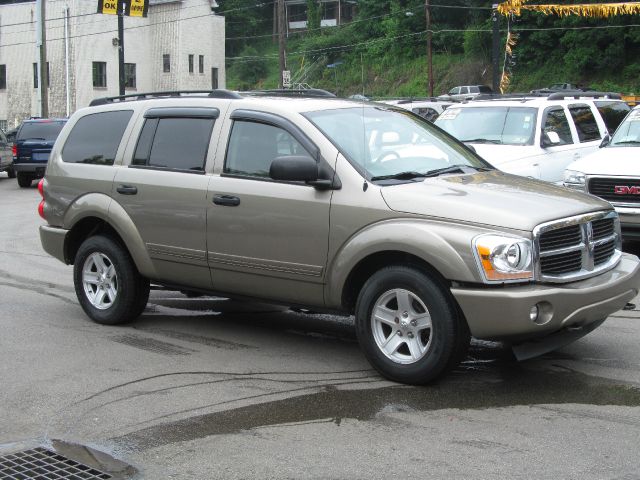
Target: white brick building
[{"x": 181, "y": 36}]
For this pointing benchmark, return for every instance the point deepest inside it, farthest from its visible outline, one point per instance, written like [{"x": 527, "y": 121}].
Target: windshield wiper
[
  {"x": 481, "y": 140},
  {"x": 453, "y": 169},
  {"x": 400, "y": 176},
  {"x": 628, "y": 142}
]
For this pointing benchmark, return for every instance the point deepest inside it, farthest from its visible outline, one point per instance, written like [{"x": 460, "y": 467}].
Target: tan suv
[{"x": 363, "y": 209}]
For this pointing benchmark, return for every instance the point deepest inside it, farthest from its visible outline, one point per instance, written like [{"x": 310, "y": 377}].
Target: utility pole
[
  {"x": 495, "y": 49},
  {"x": 427, "y": 12},
  {"x": 41, "y": 43},
  {"x": 281, "y": 42},
  {"x": 121, "y": 15}
]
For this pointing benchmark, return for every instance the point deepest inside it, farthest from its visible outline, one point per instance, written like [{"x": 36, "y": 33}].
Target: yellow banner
[
  {"x": 599, "y": 10},
  {"x": 138, "y": 8},
  {"x": 109, "y": 7}
]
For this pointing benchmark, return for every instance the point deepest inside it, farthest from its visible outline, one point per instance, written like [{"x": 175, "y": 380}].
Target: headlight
[
  {"x": 504, "y": 258},
  {"x": 574, "y": 178}
]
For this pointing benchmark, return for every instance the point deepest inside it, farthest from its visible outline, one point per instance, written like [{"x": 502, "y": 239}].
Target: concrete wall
[{"x": 177, "y": 28}]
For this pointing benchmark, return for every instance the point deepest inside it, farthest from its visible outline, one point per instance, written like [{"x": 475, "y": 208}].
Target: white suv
[
  {"x": 428, "y": 109},
  {"x": 613, "y": 173},
  {"x": 535, "y": 137}
]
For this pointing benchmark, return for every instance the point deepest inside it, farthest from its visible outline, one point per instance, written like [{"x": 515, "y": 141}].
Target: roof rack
[
  {"x": 579, "y": 95},
  {"x": 220, "y": 93},
  {"x": 286, "y": 92}
]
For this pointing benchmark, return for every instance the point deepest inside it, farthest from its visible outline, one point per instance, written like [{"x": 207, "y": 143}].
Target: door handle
[
  {"x": 127, "y": 189},
  {"x": 226, "y": 200}
]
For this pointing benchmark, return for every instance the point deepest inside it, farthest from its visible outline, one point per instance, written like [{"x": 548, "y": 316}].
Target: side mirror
[
  {"x": 605, "y": 141},
  {"x": 550, "y": 139},
  {"x": 294, "y": 168}
]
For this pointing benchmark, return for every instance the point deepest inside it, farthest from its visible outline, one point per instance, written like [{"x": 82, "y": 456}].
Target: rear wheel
[
  {"x": 107, "y": 283},
  {"x": 11, "y": 172},
  {"x": 408, "y": 326},
  {"x": 24, "y": 180}
]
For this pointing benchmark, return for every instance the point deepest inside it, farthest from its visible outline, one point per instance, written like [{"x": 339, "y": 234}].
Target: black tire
[
  {"x": 132, "y": 289},
  {"x": 11, "y": 172},
  {"x": 446, "y": 341},
  {"x": 24, "y": 180}
]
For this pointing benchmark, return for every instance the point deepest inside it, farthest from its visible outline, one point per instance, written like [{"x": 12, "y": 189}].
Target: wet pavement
[{"x": 213, "y": 388}]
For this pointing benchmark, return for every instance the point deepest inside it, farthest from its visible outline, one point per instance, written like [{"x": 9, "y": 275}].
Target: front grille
[
  {"x": 576, "y": 247},
  {"x": 615, "y": 189}
]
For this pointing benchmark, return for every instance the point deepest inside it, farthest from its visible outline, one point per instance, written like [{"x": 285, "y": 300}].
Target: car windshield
[
  {"x": 498, "y": 125},
  {"x": 388, "y": 142},
  {"x": 47, "y": 130},
  {"x": 628, "y": 133}
]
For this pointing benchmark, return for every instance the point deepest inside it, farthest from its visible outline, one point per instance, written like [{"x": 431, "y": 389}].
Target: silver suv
[{"x": 331, "y": 204}]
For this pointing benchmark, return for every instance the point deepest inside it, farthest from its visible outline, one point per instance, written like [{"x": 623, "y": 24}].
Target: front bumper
[
  {"x": 53, "y": 241},
  {"x": 503, "y": 313}
]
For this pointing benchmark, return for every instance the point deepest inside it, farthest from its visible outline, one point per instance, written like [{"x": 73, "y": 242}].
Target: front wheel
[
  {"x": 408, "y": 326},
  {"x": 107, "y": 283}
]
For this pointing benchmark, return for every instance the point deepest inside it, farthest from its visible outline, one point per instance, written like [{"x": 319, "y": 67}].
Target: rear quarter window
[{"x": 95, "y": 138}]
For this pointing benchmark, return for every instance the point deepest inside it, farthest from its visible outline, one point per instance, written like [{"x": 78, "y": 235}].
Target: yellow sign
[
  {"x": 137, "y": 8},
  {"x": 130, "y": 8},
  {"x": 110, "y": 7}
]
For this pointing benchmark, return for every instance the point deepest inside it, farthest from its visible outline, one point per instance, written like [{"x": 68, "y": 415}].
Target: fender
[
  {"x": 105, "y": 208},
  {"x": 445, "y": 246}
]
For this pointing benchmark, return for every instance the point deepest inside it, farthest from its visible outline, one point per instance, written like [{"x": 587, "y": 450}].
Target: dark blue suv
[{"x": 34, "y": 141}]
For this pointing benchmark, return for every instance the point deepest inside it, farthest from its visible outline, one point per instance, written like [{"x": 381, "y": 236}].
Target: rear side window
[
  {"x": 612, "y": 113},
  {"x": 95, "y": 138},
  {"x": 178, "y": 143},
  {"x": 585, "y": 123},
  {"x": 47, "y": 130}
]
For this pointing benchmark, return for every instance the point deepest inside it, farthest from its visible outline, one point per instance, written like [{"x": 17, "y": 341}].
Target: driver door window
[{"x": 253, "y": 146}]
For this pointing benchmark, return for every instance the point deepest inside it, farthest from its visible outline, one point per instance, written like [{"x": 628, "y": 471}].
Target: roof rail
[
  {"x": 508, "y": 96},
  {"x": 579, "y": 95},
  {"x": 220, "y": 93},
  {"x": 286, "y": 92}
]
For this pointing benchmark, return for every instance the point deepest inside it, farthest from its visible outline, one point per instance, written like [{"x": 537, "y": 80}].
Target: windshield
[
  {"x": 40, "y": 130},
  {"x": 383, "y": 142},
  {"x": 499, "y": 125},
  {"x": 628, "y": 133}
]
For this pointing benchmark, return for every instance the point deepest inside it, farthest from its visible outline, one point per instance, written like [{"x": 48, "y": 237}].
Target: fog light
[{"x": 533, "y": 313}]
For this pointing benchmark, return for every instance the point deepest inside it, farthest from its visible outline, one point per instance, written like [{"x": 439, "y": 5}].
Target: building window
[
  {"x": 36, "y": 75},
  {"x": 190, "y": 63},
  {"x": 214, "y": 78},
  {"x": 99, "y": 74},
  {"x": 201, "y": 63},
  {"x": 129, "y": 75},
  {"x": 3, "y": 77},
  {"x": 166, "y": 63},
  {"x": 3, "y": 123}
]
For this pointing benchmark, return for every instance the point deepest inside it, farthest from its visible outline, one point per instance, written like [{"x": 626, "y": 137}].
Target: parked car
[
  {"x": 6, "y": 156},
  {"x": 613, "y": 173},
  {"x": 534, "y": 137},
  {"x": 428, "y": 109},
  {"x": 34, "y": 141},
  {"x": 560, "y": 87},
  {"x": 333, "y": 205},
  {"x": 465, "y": 92}
]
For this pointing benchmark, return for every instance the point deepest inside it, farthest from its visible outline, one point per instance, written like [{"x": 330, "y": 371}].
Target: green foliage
[
  {"x": 313, "y": 15},
  {"x": 251, "y": 69}
]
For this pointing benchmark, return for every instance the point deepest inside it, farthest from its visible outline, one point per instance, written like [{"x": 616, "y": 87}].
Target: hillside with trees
[{"x": 383, "y": 51}]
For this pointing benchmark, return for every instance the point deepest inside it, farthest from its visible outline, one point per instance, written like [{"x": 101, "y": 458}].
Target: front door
[{"x": 266, "y": 239}]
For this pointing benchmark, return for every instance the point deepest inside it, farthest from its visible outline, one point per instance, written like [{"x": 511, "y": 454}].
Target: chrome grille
[{"x": 577, "y": 247}]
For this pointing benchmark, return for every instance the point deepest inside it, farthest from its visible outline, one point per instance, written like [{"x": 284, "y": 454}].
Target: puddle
[{"x": 502, "y": 385}]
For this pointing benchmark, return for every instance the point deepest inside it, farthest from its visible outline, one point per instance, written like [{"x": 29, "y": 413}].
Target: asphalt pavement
[{"x": 208, "y": 388}]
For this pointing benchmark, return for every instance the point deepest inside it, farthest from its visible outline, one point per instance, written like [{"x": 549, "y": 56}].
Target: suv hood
[
  {"x": 622, "y": 161},
  {"x": 491, "y": 198}
]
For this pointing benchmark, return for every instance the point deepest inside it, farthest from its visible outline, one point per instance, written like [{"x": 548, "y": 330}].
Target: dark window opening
[
  {"x": 3, "y": 77},
  {"x": 166, "y": 63},
  {"x": 190, "y": 63},
  {"x": 99, "y": 74},
  {"x": 200, "y": 63},
  {"x": 214, "y": 78},
  {"x": 36, "y": 75},
  {"x": 130, "y": 75}
]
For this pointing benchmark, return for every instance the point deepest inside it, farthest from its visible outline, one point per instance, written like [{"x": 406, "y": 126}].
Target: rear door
[
  {"x": 589, "y": 126},
  {"x": 163, "y": 190}
]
